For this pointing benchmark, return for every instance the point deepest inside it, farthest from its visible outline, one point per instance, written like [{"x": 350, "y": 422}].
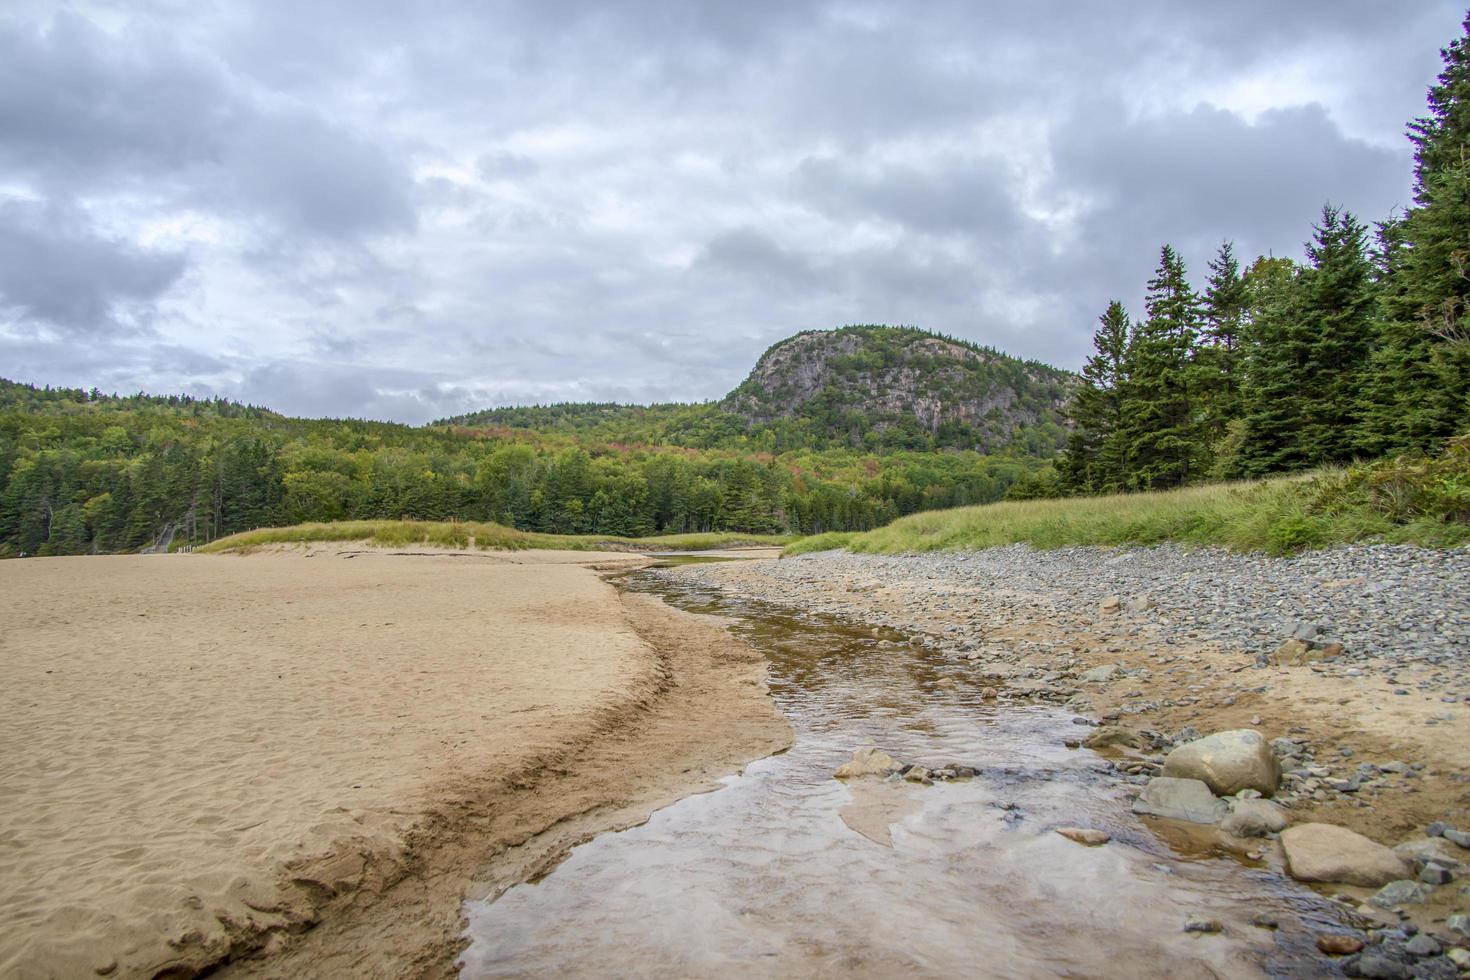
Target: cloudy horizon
[{"x": 349, "y": 209}]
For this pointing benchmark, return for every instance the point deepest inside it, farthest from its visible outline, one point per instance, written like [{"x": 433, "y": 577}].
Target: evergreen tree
[
  {"x": 1338, "y": 320},
  {"x": 1276, "y": 354},
  {"x": 1160, "y": 434},
  {"x": 1220, "y": 351},
  {"x": 1420, "y": 386},
  {"x": 1093, "y": 461}
]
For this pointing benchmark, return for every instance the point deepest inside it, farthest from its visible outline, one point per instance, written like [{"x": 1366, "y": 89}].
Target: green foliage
[{"x": 83, "y": 473}]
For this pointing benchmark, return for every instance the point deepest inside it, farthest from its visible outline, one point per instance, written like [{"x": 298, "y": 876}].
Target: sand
[{"x": 300, "y": 761}]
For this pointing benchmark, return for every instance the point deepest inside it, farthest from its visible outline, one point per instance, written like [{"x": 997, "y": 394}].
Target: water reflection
[{"x": 787, "y": 871}]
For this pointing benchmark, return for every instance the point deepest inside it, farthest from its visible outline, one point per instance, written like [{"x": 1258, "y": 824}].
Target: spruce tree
[
  {"x": 1338, "y": 320},
  {"x": 1419, "y": 390},
  {"x": 1276, "y": 353},
  {"x": 1093, "y": 460},
  {"x": 1160, "y": 432},
  {"x": 1220, "y": 350}
]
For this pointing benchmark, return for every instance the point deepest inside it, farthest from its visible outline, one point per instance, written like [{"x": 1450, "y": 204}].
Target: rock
[
  {"x": 1379, "y": 966},
  {"x": 867, "y": 761},
  {"x": 1180, "y": 799},
  {"x": 1459, "y": 957},
  {"x": 1422, "y": 946},
  {"x": 918, "y": 774},
  {"x": 1200, "y": 923},
  {"x": 1085, "y": 835},
  {"x": 1435, "y": 874},
  {"x": 1435, "y": 829},
  {"x": 1227, "y": 762},
  {"x": 1110, "y": 735},
  {"x": 1099, "y": 675},
  {"x": 1139, "y": 603},
  {"x": 1338, "y": 944},
  {"x": 1263, "y": 920},
  {"x": 1459, "y": 924},
  {"x": 1459, "y": 838},
  {"x": 1403, "y": 892},
  {"x": 1432, "y": 849},
  {"x": 1110, "y": 606},
  {"x": 1254, "y": 818},
  {"x": 1328, "y": 853}
]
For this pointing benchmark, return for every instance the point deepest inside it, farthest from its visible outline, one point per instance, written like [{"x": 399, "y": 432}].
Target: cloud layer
[{"x": 406, "y": 211}]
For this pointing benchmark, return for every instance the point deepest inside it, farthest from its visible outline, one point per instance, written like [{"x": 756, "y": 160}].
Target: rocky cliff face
[{"x": 887, "y": 383}]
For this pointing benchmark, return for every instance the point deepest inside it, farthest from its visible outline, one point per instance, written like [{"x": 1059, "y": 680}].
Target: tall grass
[
  {"x": 480, "y": 535},
  {"x": 1423, "y": 501}
]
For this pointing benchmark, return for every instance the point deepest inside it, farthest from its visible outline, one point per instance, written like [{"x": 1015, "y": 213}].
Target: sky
[{"x": 407, "y": 211}]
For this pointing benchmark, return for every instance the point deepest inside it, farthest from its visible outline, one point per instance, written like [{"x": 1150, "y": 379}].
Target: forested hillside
[
  {"x": 82, "y": 472},
  {"x": 1360, "y": 350}
]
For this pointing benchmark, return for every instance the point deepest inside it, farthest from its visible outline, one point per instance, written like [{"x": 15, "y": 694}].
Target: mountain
[{"x": 858, "y": 387}]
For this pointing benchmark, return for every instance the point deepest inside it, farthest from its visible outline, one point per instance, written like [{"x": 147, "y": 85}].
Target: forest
[{"x": 1359, "y": 351}]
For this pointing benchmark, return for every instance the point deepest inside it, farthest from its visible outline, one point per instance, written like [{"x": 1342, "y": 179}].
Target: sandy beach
[{"x": 299, "y": 762}]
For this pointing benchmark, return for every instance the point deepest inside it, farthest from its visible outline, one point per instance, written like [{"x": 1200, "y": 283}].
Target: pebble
[
  {"x": 1338, "y": 944},
  {"x": 1200, "y": 923}
]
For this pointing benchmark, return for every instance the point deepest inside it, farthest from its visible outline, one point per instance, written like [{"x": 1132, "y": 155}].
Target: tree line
[{"x": 1360, "y": 351}]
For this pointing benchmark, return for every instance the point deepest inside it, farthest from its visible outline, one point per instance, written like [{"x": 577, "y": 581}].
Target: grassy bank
[
  {"x": 1414, "y": 501},
  {"x": 470, "y": 534}
]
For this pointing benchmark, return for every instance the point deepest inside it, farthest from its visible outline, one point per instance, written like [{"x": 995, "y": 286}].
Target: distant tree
[
  {"x": 1338, "y": 318},
  {"x": 1225, "y": 302},
  {"x": 1276, "y": 354},
  {"x": 1094, "y": 460}
]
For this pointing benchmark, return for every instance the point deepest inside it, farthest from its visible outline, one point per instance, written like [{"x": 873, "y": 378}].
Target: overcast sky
[{"x": 405, "y": 211}]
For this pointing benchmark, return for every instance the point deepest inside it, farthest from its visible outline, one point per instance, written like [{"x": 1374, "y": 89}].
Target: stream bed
[{"x": 786, "y": 871}]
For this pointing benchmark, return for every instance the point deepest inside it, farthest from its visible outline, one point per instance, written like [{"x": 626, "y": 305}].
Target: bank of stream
[{"x": 786, "y": 871}]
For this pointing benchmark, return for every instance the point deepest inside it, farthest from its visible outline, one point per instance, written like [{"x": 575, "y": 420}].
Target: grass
[
  {"x": 1423, "y": 501},
  {"x": 472, "y": 534}
]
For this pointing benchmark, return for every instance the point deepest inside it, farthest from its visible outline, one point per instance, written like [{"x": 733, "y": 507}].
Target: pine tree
[
  {"x": 1160, "y": 432},
  {"x": 1419, "y": 391},
  {"x": 1093, "y": 461},
  {"x": 1225, "y": 303}
]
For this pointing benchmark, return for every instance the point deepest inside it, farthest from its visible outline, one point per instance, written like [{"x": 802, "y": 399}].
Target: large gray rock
[
  {"x": 867, "y": 761},
  {"x": 1227, "y": 762},
  {"x": 1180, "y": 799},
  {"x": 1254, "y": 818},
  {"x": 1397, "y": 893},
  {"x": 1326, "y": 852},
  {"x": 1436, "y": 849}
]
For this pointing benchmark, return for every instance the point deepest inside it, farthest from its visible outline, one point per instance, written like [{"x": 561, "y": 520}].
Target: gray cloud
[{"x": 377, "y": 210}]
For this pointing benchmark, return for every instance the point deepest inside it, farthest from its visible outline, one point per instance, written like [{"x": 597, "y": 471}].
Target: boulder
[
  {"x": 1227, "y": 762},
  {"x": 1254, "y": 818},
  {"x": 1328, "y": 853},
  {"x": 1180, "y": 799},
  {"x": 1139, "y": 603},
  {"x": 1099, "y": 675},
  {"x": 1085, "y": 835},
  {"x": 867, "y": 761}
]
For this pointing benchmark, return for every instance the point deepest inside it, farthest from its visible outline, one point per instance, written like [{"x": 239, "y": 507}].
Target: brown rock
[
  {"x": 1325, "y": 852},
  {"x": 1337, "y": 944},
  {"x": 1085, "y": 835},
  {"x": 867, "y": 761}
]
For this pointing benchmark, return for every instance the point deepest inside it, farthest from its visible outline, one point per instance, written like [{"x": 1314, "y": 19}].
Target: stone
[
  {"x": 1264, "y": 920},
  {"x": 1423, "y": 945},
  {"x": 1435, "y": 874},
  {"x": 1180, "y": 799},
  {"x": 1085, "y": 835},
  {"x": 1435, "y": 829},
  {"x": 1403, "y": 892},
  {"x": 1459, "y": 956},
  {"x": 1108, "y": 736},
  {"x": 1339, "y": 944},
  {"x": 1139, "y": 603},
  {"x": 1110, "y": 606},
  {"x": 867, "y": 761},
  {"x": 1201, "y": 923},
  {"x": 1379, "y": 966},
  {"x": 917, "y": 774},
  {"x": 1297, "y": 652},
  {"x": 1254, "y": 818},
  {"x": 1459, "y": 924},
  {"x": 1099, "y": 675},
  {"x": 1227, "y": 762},
  {"x": 1425, "y": 850},
  {"x": 1459, "y": 838},
  {"x": 1329, "y": 853}
]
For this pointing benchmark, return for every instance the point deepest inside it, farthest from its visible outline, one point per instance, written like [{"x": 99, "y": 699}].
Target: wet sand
[{"x": 300, "y": 761}]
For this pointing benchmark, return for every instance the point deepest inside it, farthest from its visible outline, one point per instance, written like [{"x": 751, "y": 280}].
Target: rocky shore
[{"x": 1310, "y": 715}]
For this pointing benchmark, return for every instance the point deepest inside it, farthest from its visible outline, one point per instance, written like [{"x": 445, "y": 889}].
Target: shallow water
[{"x": 785, "y": 871}]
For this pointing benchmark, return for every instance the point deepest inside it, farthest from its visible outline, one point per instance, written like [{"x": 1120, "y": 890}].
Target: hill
[{"x": 872, "y": 388}]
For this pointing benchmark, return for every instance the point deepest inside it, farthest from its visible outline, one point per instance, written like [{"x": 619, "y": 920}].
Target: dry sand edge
[
  {"x": 704, "y": 713},
  {"x": 682, "y": 703}
]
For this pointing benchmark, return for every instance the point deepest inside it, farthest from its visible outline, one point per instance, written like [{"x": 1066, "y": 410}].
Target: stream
[{"x": 786, "y": 871}]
